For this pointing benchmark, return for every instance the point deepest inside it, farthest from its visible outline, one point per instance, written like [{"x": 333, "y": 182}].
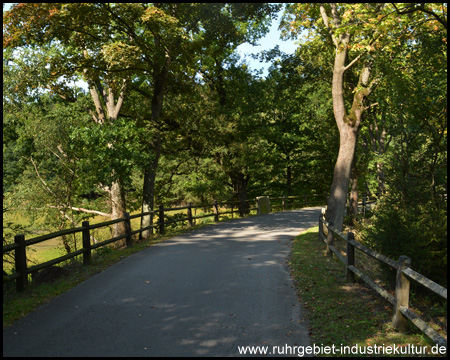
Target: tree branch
[
  {"x": 82, "y": 210},
  {"x": 121, "y": 98},
  {"x": 40, "y": 178},
  {"x": 413, "y": 8},
  {"x": 354, "y": 61},
  {"x": 327, "y": 25}
]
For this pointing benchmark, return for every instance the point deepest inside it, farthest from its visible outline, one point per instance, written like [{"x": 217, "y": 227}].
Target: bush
[
  {"x": 420, "y": 232},
  {"x": 176, "y": 225}
]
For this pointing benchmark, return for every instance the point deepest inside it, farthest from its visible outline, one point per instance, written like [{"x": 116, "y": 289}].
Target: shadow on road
[{"x": 199, "y": 294}]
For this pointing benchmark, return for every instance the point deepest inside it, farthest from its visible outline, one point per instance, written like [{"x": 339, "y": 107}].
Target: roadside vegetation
[{"x": 344, "y": 313}]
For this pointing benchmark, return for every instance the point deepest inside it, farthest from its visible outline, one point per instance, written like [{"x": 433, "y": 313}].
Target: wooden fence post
[
  {"x": 401, "y": 293},
  {"x": 306, "y": 200},
  {"x": 364, "y": 207},
  {"x": 129, "y": 238},
  {"x": 189, "y": 214},
  {"x": 87, "y": 257},
  {"x": 320, "y": 228},
  {"x": 329, "y": 239},
  {"x": 21, "y": 262},
  {"x": 349, "y": 276},
  {"x": 216, "y": 211},
  {"x": 161, "y": 219},
  {"x": 284, "y": 202}
]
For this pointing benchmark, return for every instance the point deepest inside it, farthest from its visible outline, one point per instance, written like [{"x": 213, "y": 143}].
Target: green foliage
[
  {"x": 198, "y": 181},
  {"x": 419, "y": 232},
  {"x": 298, "y": 129},
  {"x": 216, "y": 127},
  {"x": 411, "y": 219},
  {"x": 404, "y": 130},
  {"x": 110, "y": 151}
]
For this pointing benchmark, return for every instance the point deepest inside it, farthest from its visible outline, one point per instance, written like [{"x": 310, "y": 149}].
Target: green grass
[{"x": 338, "y": 312}]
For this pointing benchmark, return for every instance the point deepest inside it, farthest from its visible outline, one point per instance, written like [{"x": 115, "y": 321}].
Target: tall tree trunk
[
  {"x": 341, "y": 177},
  {"x": 348, "y": 124},
  {"x": 148, "y": 196},
  {"x": 108, "y": 111},
  {"x": 288, "y": 176},
  {"x": 240, "y": 181},
  {"x": 160, "y": 82}
]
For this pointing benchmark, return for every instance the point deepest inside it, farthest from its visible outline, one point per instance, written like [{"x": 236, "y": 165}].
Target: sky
[
  {"x": 271, "y": 40},
  {"x": 268, "y": 42}
]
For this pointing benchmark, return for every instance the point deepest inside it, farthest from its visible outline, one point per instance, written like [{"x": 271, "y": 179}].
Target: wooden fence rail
[
  {"x": 400, "y": 300},
  {"x": 20, "y": 244}
]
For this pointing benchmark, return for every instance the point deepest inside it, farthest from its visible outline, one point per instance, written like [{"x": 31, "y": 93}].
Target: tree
[
  {"x": 359, "y": 33},
  {"x": 74, "y": 45},
  {"x": 298, "y": 122},
  {"x": 414, "y": 207},
  {"x": 143, "y": 48},
  {"x": 237, "y": 23},
  {"x": 183, "y": 36}
]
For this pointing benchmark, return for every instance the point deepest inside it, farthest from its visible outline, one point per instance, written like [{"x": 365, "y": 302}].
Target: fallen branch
[{"x": 83, "y": 210}]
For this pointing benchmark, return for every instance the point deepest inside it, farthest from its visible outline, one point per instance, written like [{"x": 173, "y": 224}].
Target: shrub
[{"x": 419, "y": 231}]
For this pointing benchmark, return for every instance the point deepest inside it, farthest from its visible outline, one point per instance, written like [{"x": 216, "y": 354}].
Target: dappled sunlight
[{"x": 202, "y": 293}]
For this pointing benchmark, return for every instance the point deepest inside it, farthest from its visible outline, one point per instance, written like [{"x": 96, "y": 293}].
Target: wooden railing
[
  {"x": 231, "y": 207},
  {"x": 400, "y": 301},
  {"x": 20, "y": 244}
]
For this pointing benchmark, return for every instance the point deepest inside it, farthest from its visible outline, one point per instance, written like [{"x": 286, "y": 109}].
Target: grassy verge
[{"x": 345, "y": 313}]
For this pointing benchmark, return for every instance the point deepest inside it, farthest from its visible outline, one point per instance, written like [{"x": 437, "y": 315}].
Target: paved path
[{"x": 200, "y": 294}]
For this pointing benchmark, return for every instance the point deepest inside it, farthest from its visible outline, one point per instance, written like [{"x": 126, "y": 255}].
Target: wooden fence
[
  {"x": 400, "y": 301},
  {"x": 20, "y": 244}
]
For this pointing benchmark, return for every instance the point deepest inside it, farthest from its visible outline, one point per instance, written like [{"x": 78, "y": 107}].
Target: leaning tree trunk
[
  {"x": 348, "y": 124},
  {"x": 341, "y": 176}
]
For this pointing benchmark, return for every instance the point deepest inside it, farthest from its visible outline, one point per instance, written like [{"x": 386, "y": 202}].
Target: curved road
[{"x": 200, "y": 294}]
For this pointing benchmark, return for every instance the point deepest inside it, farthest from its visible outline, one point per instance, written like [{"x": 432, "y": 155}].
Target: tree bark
[
  {"x": 348, "y": 124},
  {"x": 288, "y": 176},
  {"x": 354, "y": 190},
  {"x": 148, "y": 196},
  {"x": 118, "y": 209},
  {"x": 160, "y": 82},
  {"x": 341, "y": 177},
  {"x": 240, "y": 181},
  {"x": 105, "y": 93},
  {"x": 118, "y": 205}
]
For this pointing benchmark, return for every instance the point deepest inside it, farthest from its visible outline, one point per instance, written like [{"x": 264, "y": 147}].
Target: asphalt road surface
[{"x": 205, "y": 293}]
